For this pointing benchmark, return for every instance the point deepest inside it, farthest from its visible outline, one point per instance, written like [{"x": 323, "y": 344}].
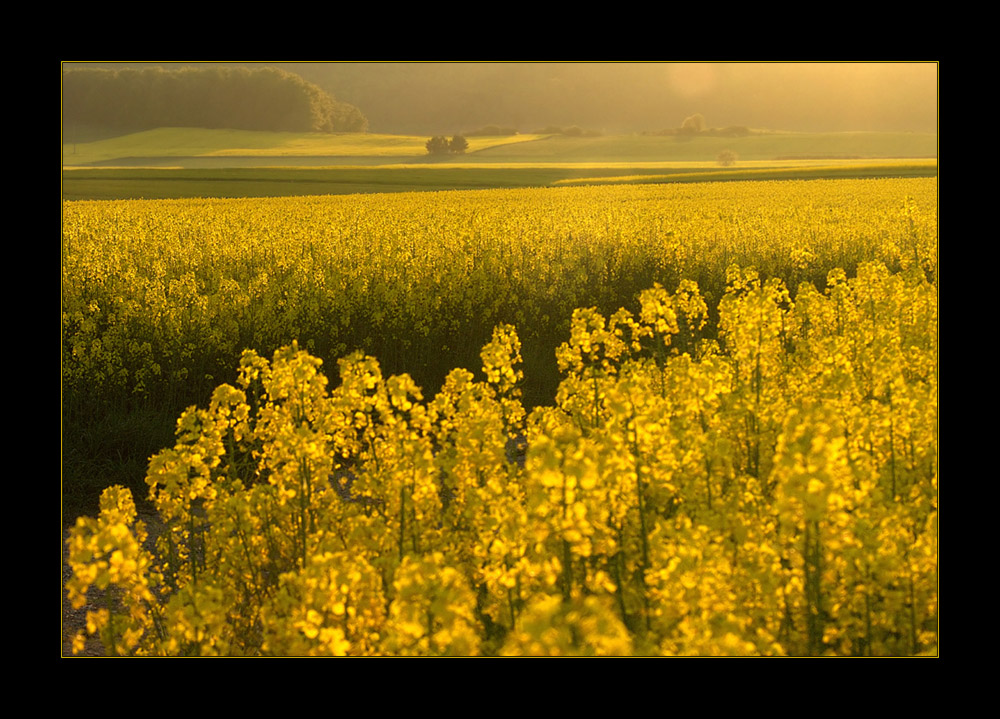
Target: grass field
[
  {"x": 186, "y": 162},
  {"x": 164, "y": 183},
  {"x": 222, "y": 146},
  {"x": 769, "y": 147},
  {"x": 178, "y": 142}
]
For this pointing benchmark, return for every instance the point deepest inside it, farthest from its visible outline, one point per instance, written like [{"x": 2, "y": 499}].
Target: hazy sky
[
  {"x": 449, "y": 97},
  {"x": 641, "y": 96}
]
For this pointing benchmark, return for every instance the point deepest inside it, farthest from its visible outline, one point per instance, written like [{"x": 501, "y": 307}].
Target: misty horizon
[{"x": 624, "y": 97}]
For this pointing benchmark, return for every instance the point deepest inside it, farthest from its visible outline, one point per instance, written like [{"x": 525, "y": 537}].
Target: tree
[
  {"x": 694, "y": 124},
  {"x": 727, "y": 158},
  {"x": 438, "y": 145},
  {"x": 458, "y": 145}
]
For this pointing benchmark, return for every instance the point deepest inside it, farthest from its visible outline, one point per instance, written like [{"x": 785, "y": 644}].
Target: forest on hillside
[{"x": 264, "y": 98}]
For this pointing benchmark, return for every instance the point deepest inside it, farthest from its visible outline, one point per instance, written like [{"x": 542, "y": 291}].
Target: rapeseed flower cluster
[
  {"x": 772, "y": 492},
  {"x": 161, "y": 297}
]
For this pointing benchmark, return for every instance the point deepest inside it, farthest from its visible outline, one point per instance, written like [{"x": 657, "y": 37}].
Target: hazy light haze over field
[{"x": 616, "y": 97}]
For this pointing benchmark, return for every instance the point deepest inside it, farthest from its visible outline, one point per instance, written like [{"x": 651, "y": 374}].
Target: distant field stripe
[
  {"x": 159, "y": 183},
  {"x": 928, "y": 169}
]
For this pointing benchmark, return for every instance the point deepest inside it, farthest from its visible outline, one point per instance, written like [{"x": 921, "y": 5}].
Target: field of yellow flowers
[
  {"x": 739, "y": 456},
  {"x": 160, "y": 297}
]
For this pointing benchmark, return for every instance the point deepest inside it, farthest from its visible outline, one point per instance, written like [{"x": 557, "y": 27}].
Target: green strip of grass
[
  {"x": 927, "y": 168},
  {"x": 112, "y": 184},
  {"x": 267, "y": 182},
  {"x": 763, "y": 147}
]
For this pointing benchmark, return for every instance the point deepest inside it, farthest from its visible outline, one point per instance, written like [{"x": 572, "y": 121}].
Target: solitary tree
[
  {"x": 727, "y": 158},
  {"x": 458, "y": 145},
  {"x": 438, "y": 145}
]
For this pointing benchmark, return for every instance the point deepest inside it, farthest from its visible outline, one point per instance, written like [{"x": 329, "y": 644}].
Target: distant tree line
[
  {"x": 492, "y": 131},
  {"x": 695, "y": 125},
  {"x": 570, "y": 131},
  {"x": 233, "y": 98}
]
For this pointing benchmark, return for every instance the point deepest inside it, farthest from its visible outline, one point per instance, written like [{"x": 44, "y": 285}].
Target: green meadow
[
  {"x": 185, "y": 162},
  {"x": 184, "y": 143}
]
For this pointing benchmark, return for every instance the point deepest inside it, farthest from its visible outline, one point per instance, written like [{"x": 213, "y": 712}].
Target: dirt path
[{"x": 74, "y": 620}]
